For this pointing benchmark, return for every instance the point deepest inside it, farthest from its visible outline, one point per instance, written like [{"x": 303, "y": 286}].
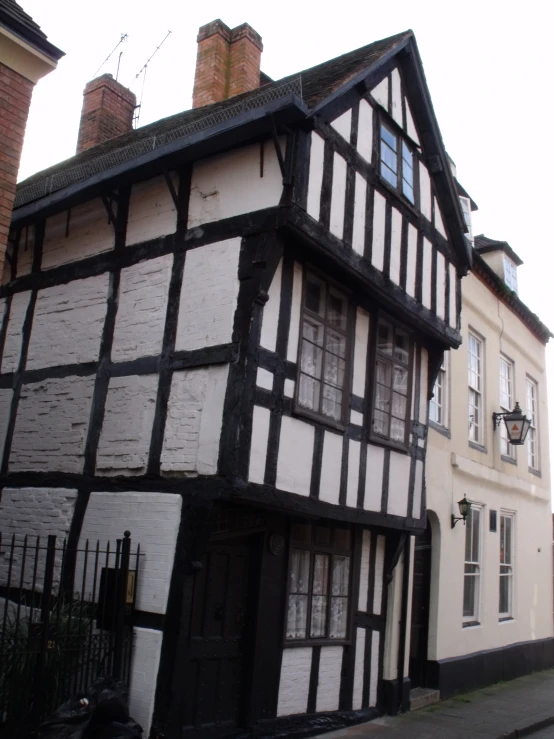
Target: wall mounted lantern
[
  {"x": 517, "y": 425},
  {"x": 464, "y": 506}
]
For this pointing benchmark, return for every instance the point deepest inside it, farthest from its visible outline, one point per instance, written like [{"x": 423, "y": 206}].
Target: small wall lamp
[
  {"x": 464, "y": 506},
  {"x": 517, "y": 425}
]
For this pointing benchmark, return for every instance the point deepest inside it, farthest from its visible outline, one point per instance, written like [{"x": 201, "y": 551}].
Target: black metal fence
[{"x": 66, "y": 618}]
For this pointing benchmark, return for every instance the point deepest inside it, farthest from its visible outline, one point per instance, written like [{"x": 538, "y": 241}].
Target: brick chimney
[
  {"x": 227, "y": 63},
  {"x": 107, "y": 112}
]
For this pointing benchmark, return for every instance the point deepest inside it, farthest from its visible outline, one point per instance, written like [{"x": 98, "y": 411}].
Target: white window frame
[
  {"x": 506, "y": 387},
  {"x": 510, "y": 273},
  {"x": 508, "y": 571},
  {"x": 473, "y": 562},
  {"x": 466, "y": 210},
  {"x": 476, "y": 399},
  {"x": 531, "y": 399},
  {"x": 438, "y": 405}
]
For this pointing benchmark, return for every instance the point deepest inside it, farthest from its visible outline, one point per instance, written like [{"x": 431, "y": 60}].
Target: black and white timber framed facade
[{"x": 162, "y": 365}]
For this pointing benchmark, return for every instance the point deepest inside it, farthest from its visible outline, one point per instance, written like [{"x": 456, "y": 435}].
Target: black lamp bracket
[{"x": 454, "y": 520}]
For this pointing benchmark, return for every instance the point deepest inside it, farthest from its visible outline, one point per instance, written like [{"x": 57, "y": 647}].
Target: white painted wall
[
  {"x": 296, "y": 306},
  {"x": 295, "y": 681},
  {"x": 399, "y": 475},
  {"x": 147, "y": 649},
  {"x": 258, "y": 447},
  {"x": 410, "y": 125},
  {"x": 343, "y": 125},
  {"x": 359, "y": 669},
  {"x": 426, "y": 273},
  {"x": 425, "y": 191},
  {"x": 315, "y": 178},
  {"x": 374, "y": 478},
  {"x": 5, "y": 404},
  {"x": 378, "y": 241},
  {"x": 358, "y": 231},
  {"x": 328, "y": 689},
  {"x": 329, "y": 486},
  {"x": 411, "y": 261},
  {"x": 441, "y": 279},
  {"x": 365, "y": 130},
  {"x": 296, "y": 445},
  {"x": 152, "y": 212},
  {"x": 381, "y": 93},
  {"x": 353, "y": 473},
  {"x": 396, "y": 238},
  {"x": 270, "y": 318},
  {"x": 338, "y": 195},
  {"x": 396, "y": 96},
  {"x": 438, "y": 220},
  {"x": 12, "y": 344}
]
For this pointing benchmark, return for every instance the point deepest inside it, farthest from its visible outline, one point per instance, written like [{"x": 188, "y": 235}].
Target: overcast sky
[{"x": 487, "y": 63}]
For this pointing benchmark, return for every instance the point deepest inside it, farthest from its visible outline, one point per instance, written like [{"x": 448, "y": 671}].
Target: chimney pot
[{"x": 107, "y": 112}]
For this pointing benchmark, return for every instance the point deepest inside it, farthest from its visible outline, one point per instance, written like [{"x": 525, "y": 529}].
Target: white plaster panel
[
  {"x": 418, "y": 490},
  {"x": 88, "y": 233},
  {"x": 296, "y": 451},
  {"x": 441, "y": 280},
  {"x": 353, "y": 473},
  {"x": 68, "y": 323},
  {"x": 364, "y": 571},
  {"x": 359, "y": 670},
  {"x": 329, "y": 486},
  {"x": 374, "y": 668},
  {"x": 378, "y": 240},
  {"x": 194, "y": 420},
  {"x": 153, "y": 520},
  {"x": 127, "y": 429},
  {"x": 412, "y": 261},
  {"x": 140, "y": 320},
  {"x": 51, "y": 425},
  {"x": 338, "y": 195},
  {"x": 374, "y": 478},
  {"x": 296, "y": 305},
  {"x": 264, "y": 379},
  {"x": 410, "y": 125},
  {"x": 289, "y": 388},
  {"x": 147, "y": 647},
  {"x": 343, "y": 125},
  {"x": 12, "y": 343},
  {"x": 356, "y": 418},
  {"x": 229, "y": 184},
  {"x": 328, "y": 688},
  {"x": 294, "y": 684},
  {"x": 358, "y": 232},
  {"x": 315, "y": 180},
  {"x": 426, "y": 273},
  {"x": 364, "y": 143},
  {"x": 399, "y": 478},
  {"x": 152, "y": 212},
  {"x": 395, "y": 247},
  {"x": 379, "y": 563},
  {"x": 270, "y": 318},
  {"x": 360, "y": 352},
  {"x": 258, "y": 444},
  {"x": 396, "y": 96},
  {"x": 6, "y": 395},
  {"x": 424, "y": 403},
  {"x": 425, "y": 191},
  {"x": 381, "y": 93},
  {"x": 453, "y": 318},
  {"x": 439, "y": 224},
  {"x": 208, "y": 295},
  {"x": 26, "y": 251}
]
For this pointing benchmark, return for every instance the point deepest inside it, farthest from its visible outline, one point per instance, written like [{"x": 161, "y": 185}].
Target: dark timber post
[
  {"x": 122, "y": 577},
  {"x": 44, "y": 641}
]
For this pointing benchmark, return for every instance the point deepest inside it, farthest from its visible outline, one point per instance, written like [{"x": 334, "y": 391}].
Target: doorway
[{"x": 420, "y": 608}]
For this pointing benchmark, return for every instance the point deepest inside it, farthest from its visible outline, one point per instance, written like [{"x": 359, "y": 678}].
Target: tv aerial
[
  {"x": 122, "y": 40},
  {"x": 143, "y": 71}
]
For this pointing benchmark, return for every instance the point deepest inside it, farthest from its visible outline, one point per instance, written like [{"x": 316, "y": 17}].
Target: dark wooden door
[
  {"x": 420, "y": 608},
  {"x": 219, "y": 649}
]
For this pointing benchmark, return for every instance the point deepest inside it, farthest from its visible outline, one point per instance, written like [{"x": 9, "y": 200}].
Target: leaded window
[
  {"x": 397, "y": 163},
  {"x": 392, "y": 382}
]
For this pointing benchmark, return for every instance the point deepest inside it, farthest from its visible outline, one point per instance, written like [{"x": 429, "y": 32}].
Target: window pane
[
  {"x": 382, "y": 397},
  {"x": 389, "y": 157},
  {"x": 388, "y": 175},
  {"x": 337, "y": 309},
  {"x": 341, "y": 572},
  {"x": 319, "y": 616},
  {"x": 308, "y": 392},
  {"x": 401, "y": 346},
  {"x": 339, "y": 614},
  {"x": 397, "y": 429},
  {"x": 336, "y": 343},
  {"x": 475, "y": 525},
  {"x": 400, "y": 380},
  {"x": 315, "y": 295},
  {"x": 342, "y": 539},
  {"x": 311, "y": 360},
  {"x": 299, "y": 571},
  {"x": 388, "y": 137},
  {"x": 399, "y": 406},
  {"x": 297, "y": 615},
  {"x": 383, "y": 373},
  {"x": 381, "y": 423},
  {"x": 504, "y": 605},
  {"x": 468, "y": 536},
  {"x": 313, "y": 331},
  {"x": 470, "y": 596},
  {"x": 332, "y": 402},
  {"x": 408, "y": 191},
  {"x": 334, "y": 370},
  {"x": 384, "y": 338},
  {"x": 321, "y": 574},
  {"x": 302, "y": 533}
]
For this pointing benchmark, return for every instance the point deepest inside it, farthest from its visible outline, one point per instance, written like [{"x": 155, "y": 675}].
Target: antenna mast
[{"x": 144, "y": 69}]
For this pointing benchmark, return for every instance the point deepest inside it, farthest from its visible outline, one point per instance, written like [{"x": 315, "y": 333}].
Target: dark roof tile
[{"x": 18, "y": 21}]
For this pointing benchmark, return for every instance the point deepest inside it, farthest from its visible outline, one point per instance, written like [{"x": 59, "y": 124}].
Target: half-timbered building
[{"x": 220, "y": 331}]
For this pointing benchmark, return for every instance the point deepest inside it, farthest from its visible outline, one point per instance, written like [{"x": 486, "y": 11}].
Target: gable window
[
  {"x": 323, "y": 351},
  {"x": 319, "y": 582},
  {"x": 506, "y": 404},
  {"x": 510, "y": 273},
  {"x": 437, "y": 405},
  {"x": 392, "y": 382},
  {"x": 475, "y": 388},
  {"x": 397, "y": 163},
  {"x": 505, "y": 600},
  {"x": 532, "y": 445},
  {"x": 472, "y": 566}
]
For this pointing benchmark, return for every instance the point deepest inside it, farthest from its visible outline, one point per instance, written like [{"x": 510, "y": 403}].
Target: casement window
[
  {"x": 323, "y": 350},
  {"x": 472, "y": 565},
  {"x": 466, "y": 210},
  {"x": 397, "y": 163},
  {"x": 475, "y": 388},
  {"x": 437, "y": 405},
  {"x": 393, "y": 380},
  {"x": 506, "y": 591},
  {"x": 510, "y": 273},
  {"x": 319, "y": 582},
  {"x": 506, "y": 404},
  {"x": 532, "y": 440}
]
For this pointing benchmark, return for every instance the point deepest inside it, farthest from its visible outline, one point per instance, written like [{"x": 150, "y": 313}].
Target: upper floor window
[
  {"x": 510, "y": 273},
  {"x": 505, "y": 600},
  {"x": 437, "y": 405},
  {"x": 323, "y": 352},
  {"x": 475, "y": 388},
  {"x": 506, "y": 404},
  {"x": 392, "y": 382},
  {"x": 397, "y": 163},
  {"x": 532, "y": 442},
  {"x": 466, "y": 210},
  {"x": 472, "y": 565}
]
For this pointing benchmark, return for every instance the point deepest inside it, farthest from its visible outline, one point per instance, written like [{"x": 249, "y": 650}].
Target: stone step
[{"x": 421, "y": 697}]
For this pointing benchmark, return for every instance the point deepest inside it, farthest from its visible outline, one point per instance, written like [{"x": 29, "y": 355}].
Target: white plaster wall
[
  {"x": 25, "y": 251},
  {"x": 425, "y": 191},
  {"x": 51, "y": 425},
  {"x": 396, "y": 238},
  {"x": 12, "y": 344},
  {"x": 374, "y": 668},
  {"x": 338, "y": 195},
  {"x": 359, "y": 669},
  {"x": 296, "y": 305},
  {"x": 88, "y": 233},
  {"x": 127, "y": 429},
  {"x": 411, "y": 261},
  {"x": 379, "y": 564},
  {"x": 439, "y": 224},
  {"x": 364, "y": 143},
  {"x": 258, "y": 446},
  {"x": 152, "y": 212},
  {"x": 296, "y": 450},
  {"x": 381, "y": 93},
  {"x": 270, "y": 318},
  {"x": 364, "y": 571},
  {"x": 315, "y": 179},
  {"x": 343, "y": 125},
  {"x": 329, "y": 486},
  {"x": 68, "y": 323},
  {"x": 194, "y": 420},
  {"x": 396, "y": 96},
  {"x": 353, "y": 473},
  {"x": 374, "y": 478},
  {"x": 418, "y": 490},
  {"x": 378, "y": 241},
  {"x": 328, "y": 689},
  {"x": 229, "y": 184},
  {"x": 6, "y": 395},
  {"x": 147, "y": 649},
  {"x": 295, "y": 681},
  {"x": 358, "y": 232},
  {"x": 452, "y": 296},
  {"x": 357, "y": 418},
  {"x": 289, "y": 388},
  {"x": 140, "y": 320},
  {"x": 264, "y": 378},
  {"x": 399, "y": 477},
  {"x": 426, "y": 273},
  {"x": 410, "y": 125},
  {"x": 208, "y": 295},
  {"x": 423, "y": 401},
  {"x": 393, "y": 620},
  {"x": 440, "y": 285}
]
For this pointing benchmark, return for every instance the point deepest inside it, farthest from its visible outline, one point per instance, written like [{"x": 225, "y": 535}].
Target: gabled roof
[
  {"x": 15, "y": 19},
  {"x": 484, "y": 245}
]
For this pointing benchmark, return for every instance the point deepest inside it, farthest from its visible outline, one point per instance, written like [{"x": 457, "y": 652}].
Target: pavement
[{"x": 509, "y": 710}]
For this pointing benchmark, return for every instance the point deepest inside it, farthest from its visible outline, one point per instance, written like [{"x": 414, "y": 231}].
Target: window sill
[
  {"x": 440, "y": 429},
  {"x": 388, "y": 443},
  {"x": 535, "y": 472},
  {"x": 288, "y": 643},
  {"x": 470, "y": 624},
  {"x": 505, "y": 619},
  {"x": 477, "y": 447},
  {"x": 303, "y": 413},
  {"x": 508, "y": 460}
]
